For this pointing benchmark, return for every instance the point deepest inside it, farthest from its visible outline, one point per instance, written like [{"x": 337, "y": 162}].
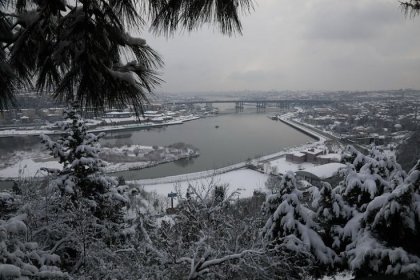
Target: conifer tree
[
  {"x": 332, "y": 214},
  {"x": 371, "y": 216},
  {"x": 8, "y": 79},
  {"x": 388, "y": 241},
  {"x": 368, "y": 176},
  {"x": 291, "y": 224},
  {"x": 82, "y": 175},
  {"x": 82, "y": 49},
  {"x": 411, "y": 7},
  {"x": 88, "y": 203}
]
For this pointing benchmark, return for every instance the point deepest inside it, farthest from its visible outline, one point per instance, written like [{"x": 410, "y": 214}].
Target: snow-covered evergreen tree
[
  {"x": 332, "y": 214},
  {"x": 291, "y": 224},
  {"x": 368, "y": 176},
  {"x": 84, "y": 201},
  {"x": 82, "y": 175},
  {"x": 388, "y": 240},
  {"x": 371, "y": 215}
]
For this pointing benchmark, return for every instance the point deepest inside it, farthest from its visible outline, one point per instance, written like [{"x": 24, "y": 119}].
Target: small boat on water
[{"x": 216, "y": 126}]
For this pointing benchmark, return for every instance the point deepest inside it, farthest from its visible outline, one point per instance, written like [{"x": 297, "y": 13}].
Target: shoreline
[
  {"x": 241, "y": 165},
  {"x": 109, "y": 128},
  {"x": 301, "y": 129}
]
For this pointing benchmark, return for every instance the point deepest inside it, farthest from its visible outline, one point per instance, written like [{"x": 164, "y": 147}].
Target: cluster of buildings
[
  {"x": 325, "y": 165},
  {"x": 30, "y": 116},
  {"x": 45, "y": 113},
  {"x": 363, "y": 122},
  {"x": 313, "y": 155},
  {"x": 313, "y": 165}
]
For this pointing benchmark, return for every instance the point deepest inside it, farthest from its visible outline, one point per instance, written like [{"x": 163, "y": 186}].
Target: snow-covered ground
[
  {"x": 121, "y": 120},
  {"x": 340, "y": 276},
  {"x": 138, "y": 157},
  {"x": 27, "y": 168},
  {"x": 282, "y": 165},
  {"x": 243, "y": 180},
  {"x": 326, "y": 170},
  {"x": 25, "y": 132},
  {"x": 28, "y": 164}
]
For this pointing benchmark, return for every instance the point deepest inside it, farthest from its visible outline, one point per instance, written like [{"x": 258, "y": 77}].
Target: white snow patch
[
  {"x": 27, "y": 168},
  {"x": 326, "y": 170},
  {"x": 245, "y": 180},
  {"x": 282, "y": 165},
  {"x": 340, "y": 276},
  {"x": 9, "y": 271}
]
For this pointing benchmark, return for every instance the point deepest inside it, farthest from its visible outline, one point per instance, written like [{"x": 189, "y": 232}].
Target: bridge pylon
[{"x": 239, "y": 104}]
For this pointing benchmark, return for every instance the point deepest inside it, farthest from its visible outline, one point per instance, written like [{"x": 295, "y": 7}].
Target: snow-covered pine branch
[
  {"x": 291, "y": 224},
  {"x": 371, "y": 218}
]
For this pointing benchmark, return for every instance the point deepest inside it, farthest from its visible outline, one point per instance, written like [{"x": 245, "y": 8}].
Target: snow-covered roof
[
  {"x": 326, "y": 170},
  {"x": 118, "y": 113},
  {"x": 298, "y": 154},
  {"x": 313, "y": 151},
  {"x": 332, "y": 156},
  {"x": 151, "y": 112}
]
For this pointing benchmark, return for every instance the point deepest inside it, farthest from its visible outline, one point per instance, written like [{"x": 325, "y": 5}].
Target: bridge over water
[{"x": 259, "y": 103}]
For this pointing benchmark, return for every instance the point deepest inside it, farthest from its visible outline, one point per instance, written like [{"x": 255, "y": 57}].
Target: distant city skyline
[{"x": 298, "y": 45}]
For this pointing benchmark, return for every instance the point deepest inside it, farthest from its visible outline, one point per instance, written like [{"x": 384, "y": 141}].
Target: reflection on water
[
  {"x": 184, "y": 162},
  {"x": 9, "y": 144}
]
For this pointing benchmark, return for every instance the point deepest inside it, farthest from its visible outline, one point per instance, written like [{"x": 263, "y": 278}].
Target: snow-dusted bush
[
  {"x": 209, "y": 237},
  {"x": 273, "y": 183},
  {"x": 20, "y": 259},
  {"x": 8, "y": 203}
]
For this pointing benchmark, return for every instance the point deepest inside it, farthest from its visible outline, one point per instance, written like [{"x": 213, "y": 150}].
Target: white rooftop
[
  {"x": 117, "y": 113},
  {"x": 333, "y": 156},
  {"x": 314, "y": 151},
  {"x": 298, "y": 154},
  {"x": 326, "y": 170}
]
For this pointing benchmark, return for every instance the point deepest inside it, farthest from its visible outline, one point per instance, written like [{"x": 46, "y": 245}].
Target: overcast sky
[{"x": 299, "y": 45}]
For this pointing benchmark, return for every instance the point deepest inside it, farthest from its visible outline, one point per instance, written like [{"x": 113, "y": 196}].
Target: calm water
[
  {"x": 237, "y": 138},
  {"x": 222, "y": 141}
]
